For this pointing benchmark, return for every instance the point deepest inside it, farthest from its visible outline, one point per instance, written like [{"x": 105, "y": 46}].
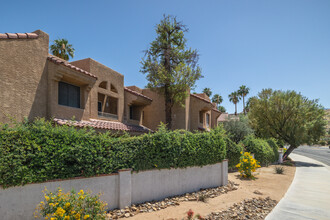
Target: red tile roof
[
  {"x": 101, "y": 124},
  {"x": 18, "y": 36},
  {"x": 205, "y": 100},
  {"x": 59, "y": 61},
  {"x": 137, "y": 93}
]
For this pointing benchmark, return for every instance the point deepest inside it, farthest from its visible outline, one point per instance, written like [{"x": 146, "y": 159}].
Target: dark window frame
[{"x": 69, "y": 95}]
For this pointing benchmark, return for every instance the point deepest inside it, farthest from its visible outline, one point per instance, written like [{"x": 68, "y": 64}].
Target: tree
[
  {"x": 234, "y": 98},
  {"x": 217, "y": 99},
  {"x": 243, "y": 91},
  {"x": 62, "y": 49},
  {"x": 287, "y": 116},
  {"x": 207, "y": 91},
  {"x": 221, "y": 108},
  {"x": 171, "y": 68},
  {"x": 237, "y": 130}
]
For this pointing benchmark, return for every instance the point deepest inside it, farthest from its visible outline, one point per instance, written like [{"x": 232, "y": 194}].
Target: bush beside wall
[
  {"x": 41, "y": 151},
  {"x": 260, "y": 148},
  {"x": 233, "y": 152},
  {"x": 273, "y": 144}
]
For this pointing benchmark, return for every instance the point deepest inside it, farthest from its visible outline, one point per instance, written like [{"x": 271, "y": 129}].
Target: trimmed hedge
[
  {"x": 233, "y": 152},
  {"x": 40, "y": 151},
  {"x": 273, "y": 144},
  {"x": 260, "y": 148}
]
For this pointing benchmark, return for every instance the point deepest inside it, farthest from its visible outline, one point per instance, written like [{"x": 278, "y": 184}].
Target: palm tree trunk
[
  {"x": 235, "y": 108},
  {"x": 244, "y": 106}
]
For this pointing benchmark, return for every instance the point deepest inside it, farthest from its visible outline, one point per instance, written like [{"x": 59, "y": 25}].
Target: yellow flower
[
  {"x": 47, "y": 198},
  {"x": 60, "y": 212},
  {"x": 51, "y": 204},
  {"x": 77, "y": 216},
  {"x": 86, "y": 216},
  {"x": 67, "y": 205},
  {"x": 52, "y": 219},
  {"x": 81, "y": 192},
  {"x": 66, "y": 218}
]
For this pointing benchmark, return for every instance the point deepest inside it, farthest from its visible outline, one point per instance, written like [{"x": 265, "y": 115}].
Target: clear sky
[{"x": 279, "y": 44}]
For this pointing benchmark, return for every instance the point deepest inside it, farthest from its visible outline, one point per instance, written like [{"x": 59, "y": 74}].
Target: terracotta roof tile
[
  {"x": 19, "y": 36},
  {"x": 100, "y": 124},
  {"x": 137, "y": 93},
  {"x": 60, "y": 61}
]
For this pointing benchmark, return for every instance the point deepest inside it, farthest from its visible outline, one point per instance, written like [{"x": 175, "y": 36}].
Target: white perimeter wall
[{"x": 118, "y": 190}]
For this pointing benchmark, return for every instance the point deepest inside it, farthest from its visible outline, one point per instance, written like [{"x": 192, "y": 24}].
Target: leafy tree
[
  {"x": 217, "y": 99},
  {"x": 170, "y": 66},
  {"x": 221, "y": 108},
  {"x": 287, "y": 116},
  {"x": 207, "y": 91},
  {"x": 234, "y": 98},
  {"x": 238, "y": 129},
  {"x": 243, "y": 91},
  {"x": 62, "y": 49}
]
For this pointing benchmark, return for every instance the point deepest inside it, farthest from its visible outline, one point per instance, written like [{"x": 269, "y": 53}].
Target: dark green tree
[
  {"x": 62, "y": 49},
  {"x": 221, "y": 108},
  {"x": 217, "y": 99},
  {"x": 171, "y": 67},
  {"x": 234, "y": 98},
  {"x": 243, "y": 91},
  {"x": 207, "y": 91},
  {"x": 287, "y": 116}
]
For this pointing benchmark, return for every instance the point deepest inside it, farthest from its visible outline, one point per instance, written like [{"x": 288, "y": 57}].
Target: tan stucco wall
[
  {"x": 57, "y": 73},
  {"x": 109, "y": 75},
  {"x": 197, "y": 105},
  {"x": 139, "y": 104},
  {"x": 23, "y": 77}
]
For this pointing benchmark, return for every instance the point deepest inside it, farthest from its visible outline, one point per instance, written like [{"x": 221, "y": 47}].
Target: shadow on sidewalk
[{"x": 306, "y": 164}]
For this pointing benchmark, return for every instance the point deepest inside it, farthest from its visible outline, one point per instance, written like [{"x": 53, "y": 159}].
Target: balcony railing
[{"x": 108, "y": 115}]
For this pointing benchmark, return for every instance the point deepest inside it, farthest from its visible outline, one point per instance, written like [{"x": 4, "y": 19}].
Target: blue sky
[{"x": 279, "y": 44}]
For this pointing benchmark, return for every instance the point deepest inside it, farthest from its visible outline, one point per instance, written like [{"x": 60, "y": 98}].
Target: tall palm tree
[
  {"x": 62, "y": 49},
  {"x": 234, "y": 98},
  {"x": 243, "y": 91},
  {"x": 207, "y": 91},
  {"x": 217, "y": 99}
]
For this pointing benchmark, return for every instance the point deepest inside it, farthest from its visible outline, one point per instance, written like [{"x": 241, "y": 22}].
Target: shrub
[
  {"x": 233, "y": 152},
  {"x": 70, "y": 205},
  {"x": 273, "y": 144},
  {"x": 40, "y": 151},
  {"x": 322, "y": 142},
  {"x": 247, "y": 165},
  {"x": 260, "y": 148},
  {"x": 279, "y": 170},
  {"x": 237, "y": 130}
]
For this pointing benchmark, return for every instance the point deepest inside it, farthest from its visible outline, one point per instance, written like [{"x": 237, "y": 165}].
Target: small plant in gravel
[
  {"x": 247, "y": 165},
  {"x": 279, "y": 170},
  {"x": 190, "y": 215},
  {"x": 202, "y": 198},
  {"x": 70, "y": 206}
]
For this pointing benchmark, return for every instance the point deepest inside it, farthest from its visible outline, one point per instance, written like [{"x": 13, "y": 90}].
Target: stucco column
[
  {"x": 224, "y": 172},
  {"x": 125, "y": 188},
  {"x": 280, "y": 157}
]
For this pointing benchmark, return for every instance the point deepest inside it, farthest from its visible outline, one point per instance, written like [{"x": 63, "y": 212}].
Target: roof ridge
[
  {"x": 137, "y": 93},
  {"x": 59, "y": 61},
  {"x": 18, "y": 36}
]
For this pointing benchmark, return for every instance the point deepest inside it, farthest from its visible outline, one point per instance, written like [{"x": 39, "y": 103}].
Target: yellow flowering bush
[
  {"x": 247, "y": 165},
  {"x": 70, "y": 206}
]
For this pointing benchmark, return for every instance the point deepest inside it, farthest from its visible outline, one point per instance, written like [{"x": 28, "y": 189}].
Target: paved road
[
  {"x": 321, "y": 154},
  {"x": 308, "y": 197}
]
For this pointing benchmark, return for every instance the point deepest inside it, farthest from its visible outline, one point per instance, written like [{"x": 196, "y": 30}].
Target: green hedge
[
  {"x": 40, "y": 151},
  {"x": 261, "y": 149},
  {"x": 233, "y": 152},
  {"x": 273, "y": 144}
]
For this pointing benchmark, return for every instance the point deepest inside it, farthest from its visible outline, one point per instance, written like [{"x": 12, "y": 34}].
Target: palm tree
[
  {"x": 207, "y": 91},
  {"x": 62, "y": 49},
  {"x": 243, "y": 91},
  {"x": 234, "y": 98},
  {"x": 221, "y": 108},
  {"x": 217, "y": 99}
]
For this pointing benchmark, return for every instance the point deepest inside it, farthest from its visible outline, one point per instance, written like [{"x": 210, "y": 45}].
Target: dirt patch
[{"x": 267, "y": 184}]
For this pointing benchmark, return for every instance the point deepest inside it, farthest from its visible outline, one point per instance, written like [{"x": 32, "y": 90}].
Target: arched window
[
  {"x": 103, "y": 85},
  {"x": 113, "y": 88}
]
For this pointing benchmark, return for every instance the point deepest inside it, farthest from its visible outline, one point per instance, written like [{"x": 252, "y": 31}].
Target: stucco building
[{"x": 36, "y": 84}]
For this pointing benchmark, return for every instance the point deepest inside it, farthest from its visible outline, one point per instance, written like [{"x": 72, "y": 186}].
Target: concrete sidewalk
[{"x": 308, "y": 197}]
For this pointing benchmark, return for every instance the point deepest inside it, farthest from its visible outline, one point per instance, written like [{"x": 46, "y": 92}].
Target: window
[
  {"x": 99, "y": 106},
  {"x": 68, "y": 95},
  {"x": 201, "y": 117},
  {"x": 131, "y": 112},
  {"x": 103, "y": 85},
  {"x": 207, "y": 120}
]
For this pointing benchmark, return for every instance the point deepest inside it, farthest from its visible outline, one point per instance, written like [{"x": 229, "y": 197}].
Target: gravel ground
[{"x": 256, "y": 208}]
